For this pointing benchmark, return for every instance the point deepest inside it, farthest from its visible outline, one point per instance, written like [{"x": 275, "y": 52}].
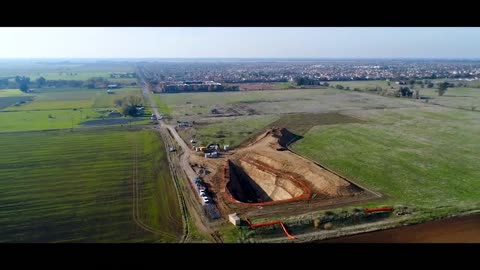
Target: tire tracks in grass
[
  {"x": 136, "y": 200},
  {"x": 181, "y": 200}
]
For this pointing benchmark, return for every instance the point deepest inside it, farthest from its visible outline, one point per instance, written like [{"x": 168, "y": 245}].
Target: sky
[{"x": 239, "y": 42}]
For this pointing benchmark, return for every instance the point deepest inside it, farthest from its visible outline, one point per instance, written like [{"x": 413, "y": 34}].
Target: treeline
[
  {"x": 25, "y": 84},
  {"x": 308, "y": 81},
  {"x": 196, "y": 88}
]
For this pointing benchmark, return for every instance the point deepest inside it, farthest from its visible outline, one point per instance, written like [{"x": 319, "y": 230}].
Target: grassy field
[
  {"x": 425, "y": 158},
  {"x": 364, "y": 84},
  {"x": 13, "y": 93},
  {"x": 300, "y": 123},
  {"x": 59, "y": 94},
  {"x": 77, "y": 187},
  {"x": 236, "y": 130},
  {"x": 278, "y": 101},
  {"x": 104, "y": 100},
  {"x": 44, "y": 120},
  {"x": 53, "y": 105},
  {"x": 61, "y": 70},
  {"x": 61, "y": 108},
  {"x": 229, "y": 130},
  {"x": 162, "y": 107},
  {"x": 456, "y": 97}
]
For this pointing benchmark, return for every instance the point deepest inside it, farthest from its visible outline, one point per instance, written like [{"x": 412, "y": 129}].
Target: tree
[
  {"x": 442, "y": 88},
  {"x": 41, "y": 82},
  {"x": 339, "y": 86},
  {"x": 406, "y": 92},
  {"x": 22, "y": 83},
  {"x": 130, "y": 104},
  {"x": 430, "y": 85}
]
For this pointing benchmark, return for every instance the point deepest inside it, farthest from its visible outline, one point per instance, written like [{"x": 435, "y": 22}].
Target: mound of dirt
[{"x": 285, "y": 137}]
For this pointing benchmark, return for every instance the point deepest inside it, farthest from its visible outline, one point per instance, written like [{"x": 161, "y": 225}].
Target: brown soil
[
  {"x": 266, "y": 150},
  {"x": 264, "y": 176},
  {"x": 453, "y": 230}
]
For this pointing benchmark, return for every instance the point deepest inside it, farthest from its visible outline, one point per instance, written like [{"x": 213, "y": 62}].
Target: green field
[
  {"x": 44, "y": 120},
  {"x": 422, "y": 158},
  {"x": 62, "y": 70},
  {"x": 77, "y": 187},
  {"x": 13, "y": 93},
  {"x": 300, "y": 123},
  {"x": 456, "y": 97},
  {"x": 53, "y": 105},
  {"x": 365, "y": 84},
  {"x": 62, "y": 108},
  {"x": 184, "y": 105},
  {"x": 104, "y": 100},
  {"x": 232, "y": 130}
]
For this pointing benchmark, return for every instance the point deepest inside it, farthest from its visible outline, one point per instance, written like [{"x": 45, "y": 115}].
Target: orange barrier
[
  {"x": 379, "y": 209},
  {"x": 285, "y": 231},
  {"x": 307, "y": 195},
  {"x": 253, "y": 226}
]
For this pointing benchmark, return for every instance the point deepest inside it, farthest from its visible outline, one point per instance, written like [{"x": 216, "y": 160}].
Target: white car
[{"x": 205, "y": 200}]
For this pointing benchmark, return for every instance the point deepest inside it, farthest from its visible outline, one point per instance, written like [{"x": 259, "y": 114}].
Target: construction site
[{"x": 265, "y": 178}]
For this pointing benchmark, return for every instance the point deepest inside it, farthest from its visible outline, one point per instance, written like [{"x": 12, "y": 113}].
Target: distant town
[{"x": 166, "y": 73}]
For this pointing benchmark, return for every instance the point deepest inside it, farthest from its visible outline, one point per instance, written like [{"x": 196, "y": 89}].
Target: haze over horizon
[{"x": 239, "y": 42}]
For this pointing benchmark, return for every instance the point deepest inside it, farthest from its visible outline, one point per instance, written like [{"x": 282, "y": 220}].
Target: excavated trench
[{"x": 254, "y": 182}]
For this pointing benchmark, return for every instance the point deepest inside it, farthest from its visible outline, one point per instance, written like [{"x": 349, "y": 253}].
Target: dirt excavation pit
[
  {"x": 265, "y": 172},
  {"x": 254, "y": 182}
]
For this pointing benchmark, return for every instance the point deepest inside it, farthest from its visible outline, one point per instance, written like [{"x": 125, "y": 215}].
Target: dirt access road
[
  {"x": 167, "y": 132},
  {"x": 185, "y": 149}
]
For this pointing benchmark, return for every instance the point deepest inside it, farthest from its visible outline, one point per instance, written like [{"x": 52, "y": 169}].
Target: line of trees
[
  {"x": 197, "y": 88},
  {"x": 25, "y": 83},
  {"x": 308, "y": 81}
]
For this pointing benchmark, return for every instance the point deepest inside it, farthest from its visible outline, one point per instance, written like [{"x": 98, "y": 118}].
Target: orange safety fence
[
  {"x": 379, "y": 209},
  {"x": 270, "y": 223}
]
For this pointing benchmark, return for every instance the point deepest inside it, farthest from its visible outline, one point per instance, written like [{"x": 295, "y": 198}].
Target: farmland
[
  {"x": 253, "y": 111},
  {"x": 86, "y": 184},
  {"x": 61, "y": 108},
  {"x": 77, "y": 187}
]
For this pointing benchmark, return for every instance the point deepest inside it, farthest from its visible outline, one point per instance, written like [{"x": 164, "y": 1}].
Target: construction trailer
[{"x": 234, "y": 219}]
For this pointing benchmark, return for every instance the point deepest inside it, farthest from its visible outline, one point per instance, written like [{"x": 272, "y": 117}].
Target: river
[{"x": 465, "y": 229}]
